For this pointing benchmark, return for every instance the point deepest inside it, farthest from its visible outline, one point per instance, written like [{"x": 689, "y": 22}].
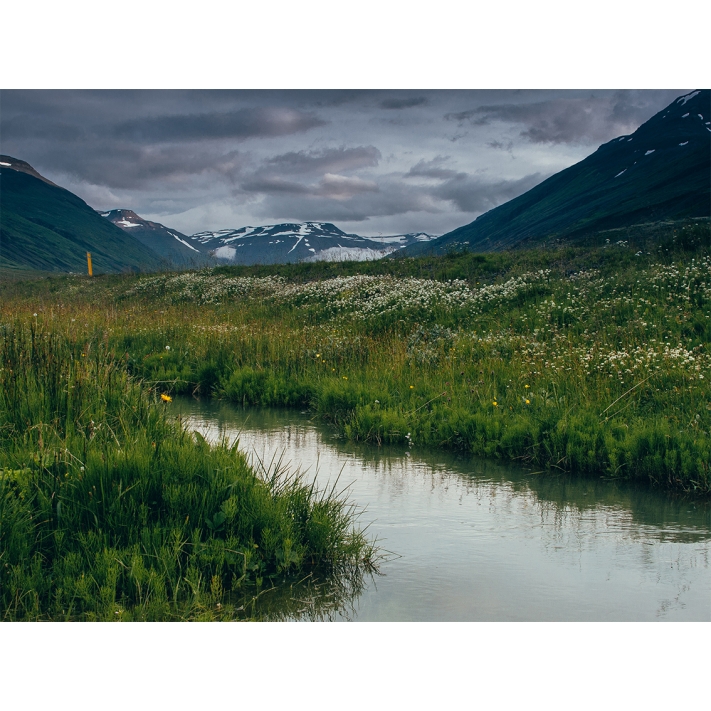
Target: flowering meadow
[{"x": 589, "y": 359}]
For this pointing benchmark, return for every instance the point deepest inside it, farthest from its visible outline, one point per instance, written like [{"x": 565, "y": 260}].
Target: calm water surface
[{"x": 476, "y": 540}]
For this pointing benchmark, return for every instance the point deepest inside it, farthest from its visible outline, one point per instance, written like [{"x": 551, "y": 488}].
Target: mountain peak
[
  {"x": 22, "y": 167},
  {"x": 170, "y": 244},
  {"x": 124, "y": 218}
]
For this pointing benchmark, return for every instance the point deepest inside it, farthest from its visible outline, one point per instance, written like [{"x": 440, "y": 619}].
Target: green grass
[
  {"x": 110, "y": 509},
  {"x": 591, "y": 359}
]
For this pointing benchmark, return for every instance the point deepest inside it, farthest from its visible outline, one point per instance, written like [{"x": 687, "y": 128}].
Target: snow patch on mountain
[
  {"x": 349, "y": 254},
  {"x": 683, "y": 99},
  {"x": 225, "y": 253},
  {"x": 182, "y": 241}
]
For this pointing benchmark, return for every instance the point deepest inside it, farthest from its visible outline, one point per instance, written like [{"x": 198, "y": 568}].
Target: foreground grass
[
  {"x": 109, "y": 509},
  {"x": 586, "y": 359}
]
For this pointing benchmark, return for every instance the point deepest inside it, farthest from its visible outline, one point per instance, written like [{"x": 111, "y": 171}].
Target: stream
[{"x": 474, "y": 540}]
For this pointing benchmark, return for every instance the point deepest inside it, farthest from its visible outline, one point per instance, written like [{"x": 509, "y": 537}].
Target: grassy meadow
[{"x": 592, "y": 359}]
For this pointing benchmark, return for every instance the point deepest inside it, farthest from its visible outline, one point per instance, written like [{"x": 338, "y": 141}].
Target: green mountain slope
[
  {"x": 662, "y": 171},
  {"x": 43, "y": 226}
]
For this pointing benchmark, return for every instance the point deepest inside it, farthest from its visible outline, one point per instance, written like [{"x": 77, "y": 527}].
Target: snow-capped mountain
[{"x": 299, "y": 242}]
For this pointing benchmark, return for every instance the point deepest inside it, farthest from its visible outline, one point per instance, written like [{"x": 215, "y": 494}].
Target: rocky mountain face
[{"x": 661, "y": 171}]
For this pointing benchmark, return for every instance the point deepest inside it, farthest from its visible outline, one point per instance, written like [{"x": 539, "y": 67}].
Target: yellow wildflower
[
  {"x": 495, "y": 404},
  {"x": 166, "y": 398}
]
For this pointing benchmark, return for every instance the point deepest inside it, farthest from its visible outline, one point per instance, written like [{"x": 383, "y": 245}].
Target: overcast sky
[{"x": 372, "y": 162}]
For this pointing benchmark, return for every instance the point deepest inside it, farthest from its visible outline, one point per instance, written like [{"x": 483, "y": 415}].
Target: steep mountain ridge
[
  {"x": 43, "y": 226},
  {"x": 661, "y": 171},
  {"x": 171, "y": 245}
]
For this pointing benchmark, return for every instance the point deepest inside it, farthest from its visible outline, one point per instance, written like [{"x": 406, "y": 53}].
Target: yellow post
[{"x": 88, "y": 261}]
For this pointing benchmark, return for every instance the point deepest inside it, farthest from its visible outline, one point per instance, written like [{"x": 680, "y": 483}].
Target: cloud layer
[{"x": 382, "y": 160}]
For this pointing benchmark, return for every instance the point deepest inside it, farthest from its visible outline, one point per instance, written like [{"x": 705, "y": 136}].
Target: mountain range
[
  {"x": 661, "y": 171},
  {"x": 172, "y": 246},
  {"x": 268, "y": 244}
]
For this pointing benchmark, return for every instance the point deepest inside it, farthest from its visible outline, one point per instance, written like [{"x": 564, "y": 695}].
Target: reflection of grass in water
[
  {"x": 669, "y": 517},
  {"x": 314, "y": 598}
]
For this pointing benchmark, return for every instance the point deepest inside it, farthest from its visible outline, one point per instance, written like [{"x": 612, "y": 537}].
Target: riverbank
[
  {"x": 591, "y": 360},
  {"x": 112, "y": 510},
  {"x": 490, "y": 540}
]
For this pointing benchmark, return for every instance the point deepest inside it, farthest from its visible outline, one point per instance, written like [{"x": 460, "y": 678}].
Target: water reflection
[
  {"x": 479, "y": 540},
  {"x": 314, "y": 598}
]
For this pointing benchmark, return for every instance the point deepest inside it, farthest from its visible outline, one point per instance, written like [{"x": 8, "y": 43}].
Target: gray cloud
[
  {"x": 331, "y": 186},
  {"x": 328, "y": 160},
  {"x": 500, "y": 146},
  {"x": 185, "y": 156},
  {"x": 473, "y": 194},
  {"x": 432, "y": 169},
  {"x": 24, "y": 126},
  {"x": 358, "y": 201},
  {"x": 133, "y": 166},
  {"x": 566, "y": 120},
  {"x": 403, "y": 103},
  {"x": 265, "y": 122}
]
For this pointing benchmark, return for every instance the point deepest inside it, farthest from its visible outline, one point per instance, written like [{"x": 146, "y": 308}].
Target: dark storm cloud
[
  {"x": 328, "y": 160},
  {"x": 470, "y": 193},
  {"x": 27, "y": 126},
  {"x": 241, "y": 124},
  {"x": 562, "y": 120},
  {"x": 404, "y": 103}
]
